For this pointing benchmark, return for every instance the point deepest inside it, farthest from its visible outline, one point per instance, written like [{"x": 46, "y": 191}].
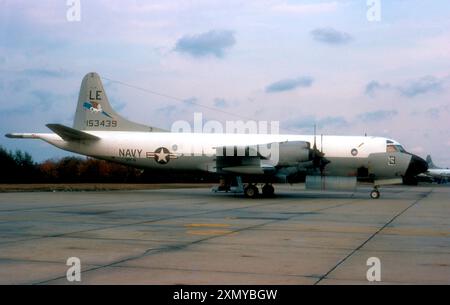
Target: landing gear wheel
[
  {"x": 251, "y": 191},
  {"x": 268, "y": 190},
  {"x": 375, "y": 194}
]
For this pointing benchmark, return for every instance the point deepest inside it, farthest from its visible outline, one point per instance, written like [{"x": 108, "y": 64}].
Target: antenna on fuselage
[
  {"x": 317, "y": 156},
  {"x": 321, "y": 144},
  {"x": 315, "y": 146},
  {"x": 319, "y": 160}
]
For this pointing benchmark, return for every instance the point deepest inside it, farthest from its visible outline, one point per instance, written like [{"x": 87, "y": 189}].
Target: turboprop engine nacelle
[{"x": 293, "y": 153}]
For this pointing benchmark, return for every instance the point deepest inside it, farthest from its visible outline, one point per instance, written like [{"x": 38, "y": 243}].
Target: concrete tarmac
[{"x": 193, "y": 236}]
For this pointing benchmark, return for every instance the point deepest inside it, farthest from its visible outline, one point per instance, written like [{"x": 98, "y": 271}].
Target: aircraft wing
[
  {"x": 250, "y": 160},
  {"x": 71, "y": 134},
  {"x": 244, "y": 160}
]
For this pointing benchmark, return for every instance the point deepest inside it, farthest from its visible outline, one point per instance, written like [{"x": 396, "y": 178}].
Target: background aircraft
[
  {"x": 436, "y": 173},
  {"x": 327, "y": 163}
]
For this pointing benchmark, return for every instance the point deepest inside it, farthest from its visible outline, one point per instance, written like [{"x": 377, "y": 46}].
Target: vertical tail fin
[
  {"x": 430, "y": 162},
  {"x": 95, "y": 113}
]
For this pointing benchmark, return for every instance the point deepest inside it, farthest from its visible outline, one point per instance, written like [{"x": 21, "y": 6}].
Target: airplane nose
[{"x": 417, "y": 165}]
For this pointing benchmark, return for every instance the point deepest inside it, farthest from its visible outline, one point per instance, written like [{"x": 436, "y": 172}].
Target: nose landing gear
[{"x": 375, "y": 193}]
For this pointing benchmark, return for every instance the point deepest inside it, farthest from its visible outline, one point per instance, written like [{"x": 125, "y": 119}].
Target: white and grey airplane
[
  {"x": 436, "y": 173},
  {"x": 334, "y": 162}
]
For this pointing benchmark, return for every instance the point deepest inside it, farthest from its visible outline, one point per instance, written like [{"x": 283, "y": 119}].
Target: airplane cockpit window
[
  {"x": 391, "y": 148},
  {"x": 400, "y": 148}
]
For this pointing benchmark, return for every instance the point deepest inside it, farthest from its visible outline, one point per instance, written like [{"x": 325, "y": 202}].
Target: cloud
[
  {"x": 212, "y": 43},
  {"x": 185, "y": 105},
  {"x": 117, "y": 105},
  {"x": 45, "y": 99},
  {"x": 167, "y": 111},
  {"x": 331, "y": 36},
  {"x": 379, "y": 115},
  {"x": 433, "y": 113},
  {"x": 220, "y": 103},
  {"x": 423, "y": 85},
  {"x": 46, "y": 73},
  {"x": 19, "y": 85},
  {"x": 373, "y": 87},
  {"x": 290, "y": 84},
  {"x": 308, "y": 122},
  {"x": 10, "y": 112},
  {"x": 190, "y": 102},
  {"x": 40, "y": 101},
  {"x": 335, "y": 121}
]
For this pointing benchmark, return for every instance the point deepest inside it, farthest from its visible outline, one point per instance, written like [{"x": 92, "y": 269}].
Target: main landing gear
[
  {"x": 375, "y": 193},
  {"x": 252, "y": 191},
  {"x": 268, "y": 190}
]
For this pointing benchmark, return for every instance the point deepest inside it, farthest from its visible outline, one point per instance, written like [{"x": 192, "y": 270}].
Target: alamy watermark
[
  {"x": 373, "y": 13},
  {"x": 374, "y": 272},
  {"x": 73, "y": 13},
  {"x": 268, "y": 147},
  {"x": 373, "y": 10},
  {"x": 73, "y": 273}
]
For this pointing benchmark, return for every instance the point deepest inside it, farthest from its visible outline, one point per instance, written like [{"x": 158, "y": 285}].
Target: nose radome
[{"x": 417, "y": 165}]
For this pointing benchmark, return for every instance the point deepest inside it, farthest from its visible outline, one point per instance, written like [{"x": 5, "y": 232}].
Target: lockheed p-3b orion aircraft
[{"x": 326, "y": 163}]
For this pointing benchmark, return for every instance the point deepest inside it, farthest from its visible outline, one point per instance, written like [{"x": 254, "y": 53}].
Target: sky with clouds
[{"x": 299, "y": 62}]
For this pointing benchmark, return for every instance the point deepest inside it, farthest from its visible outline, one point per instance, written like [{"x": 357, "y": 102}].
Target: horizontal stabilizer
[
  {"x": 21, "y": 136},
  {"x": 70, "y": 134}
]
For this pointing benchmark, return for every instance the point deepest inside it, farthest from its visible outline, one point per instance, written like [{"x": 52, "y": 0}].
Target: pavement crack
[{"x": 372, "y": 236}]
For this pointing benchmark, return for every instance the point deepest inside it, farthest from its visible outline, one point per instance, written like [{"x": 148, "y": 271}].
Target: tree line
[{"x": 19, "y": 167}]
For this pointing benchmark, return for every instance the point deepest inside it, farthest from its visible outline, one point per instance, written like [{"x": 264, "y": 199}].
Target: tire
[
  {"x": 375, "y": 194},
  {"x": 268, "y": 190},
  {"x": 251, "y": 191}
]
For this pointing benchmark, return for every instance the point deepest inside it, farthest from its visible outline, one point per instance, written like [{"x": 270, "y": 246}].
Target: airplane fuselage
[
  {"x": 197, "y": 151},
  {"x": 438, "y": 172}
]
